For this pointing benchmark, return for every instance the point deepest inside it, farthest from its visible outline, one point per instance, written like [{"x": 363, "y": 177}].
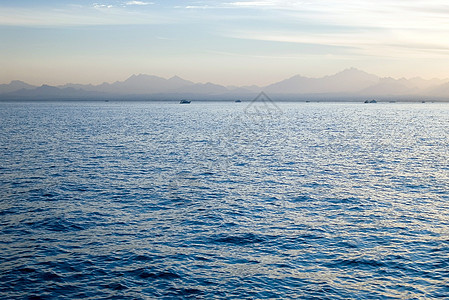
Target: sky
[{"x": 225, "y": 42}]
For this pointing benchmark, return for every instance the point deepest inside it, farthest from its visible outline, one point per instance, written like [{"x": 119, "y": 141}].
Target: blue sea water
[{"x": 154, "y": 200}]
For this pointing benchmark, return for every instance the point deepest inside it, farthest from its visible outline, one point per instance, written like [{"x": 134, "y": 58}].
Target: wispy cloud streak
[{"x": 138, "y": 3}]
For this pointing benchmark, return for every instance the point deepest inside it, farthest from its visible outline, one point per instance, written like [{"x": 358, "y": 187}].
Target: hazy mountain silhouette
[
  {"x": 15, "y": 85},
  {"x": 137, "y": 84},
  {"x": 51, "y": 93},
  {"x": 348, "y": 84},
  {"x": 245, "y": 89},
  {"x": 347, "y": 81},
  {"x": 146, "y": 84},
  {"x": 390, "y": 87},
  {"x": 438, "y": 91},
  {"x": 426, "y": 84},
  {"x": 203, "y": 88}
]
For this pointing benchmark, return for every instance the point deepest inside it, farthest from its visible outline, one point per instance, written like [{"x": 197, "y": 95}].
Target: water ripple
[{"x": 156, "y": 200}]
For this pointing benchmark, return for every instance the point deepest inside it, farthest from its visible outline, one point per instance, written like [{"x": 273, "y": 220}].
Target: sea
[{"x": 224, "y": 200}]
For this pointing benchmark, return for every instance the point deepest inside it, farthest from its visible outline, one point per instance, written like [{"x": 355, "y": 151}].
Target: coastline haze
[{"x": 348, "y": 85}]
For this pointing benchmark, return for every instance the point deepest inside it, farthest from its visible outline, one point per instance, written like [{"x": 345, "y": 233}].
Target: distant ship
[
  {"x": 238, "y": 101},
  {"x": 371, "y": 101},
  {"x": 184, "y": 102}
]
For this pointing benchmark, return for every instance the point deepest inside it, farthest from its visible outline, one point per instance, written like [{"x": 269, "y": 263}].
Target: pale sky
[{"x": 225, "y": 42}]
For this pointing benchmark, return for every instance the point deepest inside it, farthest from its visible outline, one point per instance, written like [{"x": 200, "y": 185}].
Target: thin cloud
[
  {"x": 374, "y": 44},
  {"x": 253, "y": 3},
  {"x": 372, "y": 28},
  {"x": 138, "y": 3},
  {"x": 196, "y": 7},
  {"x": 100, "y": 6}
]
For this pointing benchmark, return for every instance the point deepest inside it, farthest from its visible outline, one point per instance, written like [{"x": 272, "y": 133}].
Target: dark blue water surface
[{"x": 210, "y": 201}]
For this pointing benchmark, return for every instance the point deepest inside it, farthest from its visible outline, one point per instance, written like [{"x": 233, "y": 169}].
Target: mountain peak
[
  {"x": 16, "y": 82},
  {"x": 176, "y": 77},
  {"x": 142, "y": 77},
  {"x": 352, "y": 69},
  {"x": 353, "y": 72}
]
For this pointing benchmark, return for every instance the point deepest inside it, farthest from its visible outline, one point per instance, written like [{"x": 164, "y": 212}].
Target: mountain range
[{"x": 349, "y": 84}]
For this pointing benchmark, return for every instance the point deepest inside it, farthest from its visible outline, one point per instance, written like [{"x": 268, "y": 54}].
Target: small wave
[
  {"x": 302, "y": 198},
  {"x": 348, "y": 200},
  {"x": 144, "y": 273},
  {"x": 26, "y": 270},
  {"x": 358, "y": 263},
  {"x": 142, "y": 258},
  {"x": 56, "y": 224},
  {"x": 185, "y": 292},
  {"x": 116, "y": 286},
  {"x": 51, "y": 276},
  {"x": 239, "y": 239}
]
